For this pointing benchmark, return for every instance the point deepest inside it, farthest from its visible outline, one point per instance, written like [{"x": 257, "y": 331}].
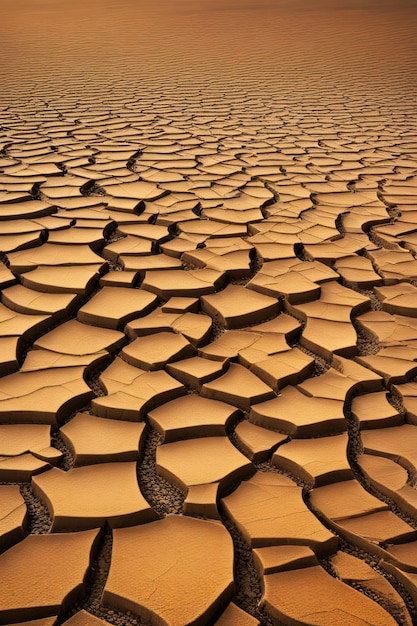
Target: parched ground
[{"x": 208, "y": 316}]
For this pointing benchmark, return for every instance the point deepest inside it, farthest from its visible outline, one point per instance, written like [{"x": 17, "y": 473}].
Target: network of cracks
[{"x": 208, "y": 359}]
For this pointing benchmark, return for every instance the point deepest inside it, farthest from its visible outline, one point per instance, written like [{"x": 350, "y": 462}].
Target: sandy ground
[{"x": 211, "y": 200}]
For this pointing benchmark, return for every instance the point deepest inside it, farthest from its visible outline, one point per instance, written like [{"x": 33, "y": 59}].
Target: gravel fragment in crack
[
  {"x": 366, "y": 343},
  {"x": 355, "y": 446},
  {"x": 39, "y": 520},
  {"x": 376, "y": 304},
  {"x": 380, "y": 242},
  {"x": 217, "y": 329},
  {"x": 114, "y": 236},
  {"x": 256, "y": 262},
  {"x": 248, "y": 583},
  {"x": 95, "y": 582},
  {"x": 92, "y": 380},
  {"x": 372, "y": 561},
  {"x": 92, "y": 188},
  {"x": 391, "y": 208},
  {"x": 266, "y": 466},
  {"x": 161, "y": 495},
  {"x": 321, "y": 365},
  {"x": 396, "y": 401},
  {"x": 57, "y": 441},
  {"x": 62, "y": 167},
  {"x": 130, "y": 164},
  {"x": 4, "y": 259},
  {"x": 36, "y": 191}
]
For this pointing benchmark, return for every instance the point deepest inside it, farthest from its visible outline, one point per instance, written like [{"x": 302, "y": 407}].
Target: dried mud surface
[{"x": 208, "y": 316}]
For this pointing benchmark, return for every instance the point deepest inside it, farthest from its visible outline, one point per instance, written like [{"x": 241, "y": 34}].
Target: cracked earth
[{"x": 208, "y": 316}]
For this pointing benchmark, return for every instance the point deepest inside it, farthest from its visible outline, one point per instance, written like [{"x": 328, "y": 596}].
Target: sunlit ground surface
[{"x": 208, "y": 318}]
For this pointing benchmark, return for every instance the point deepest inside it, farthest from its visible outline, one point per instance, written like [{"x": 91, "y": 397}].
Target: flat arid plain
[{"x": 208, "y": 317}]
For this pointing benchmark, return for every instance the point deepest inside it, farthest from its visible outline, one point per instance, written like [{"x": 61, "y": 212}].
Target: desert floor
[{"x": 208, "y": 317}]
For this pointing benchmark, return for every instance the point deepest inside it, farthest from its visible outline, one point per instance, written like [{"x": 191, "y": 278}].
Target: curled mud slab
[{"x": 208, "y": 313}]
